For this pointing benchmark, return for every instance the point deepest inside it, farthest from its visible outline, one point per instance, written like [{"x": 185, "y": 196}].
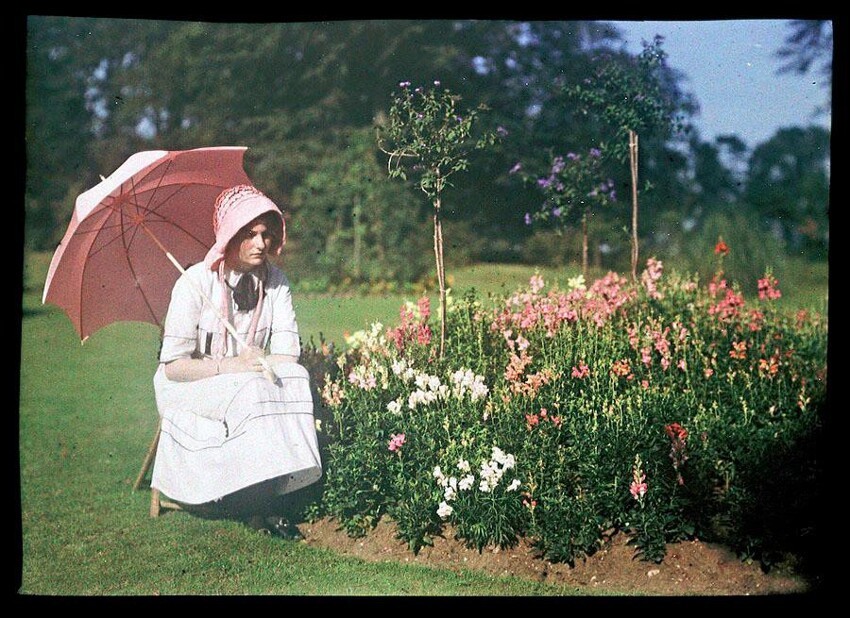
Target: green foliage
[
  {"x": 428, "y": 136},
  {"x": 574, "y": 184},
  {"x": 351, "y": 224},
  {"x": 630, "y": 94},
  {"x": 751, "y": 249},
  {"x": 656, "y": 408},
  {"x": 788, "y": 186}
]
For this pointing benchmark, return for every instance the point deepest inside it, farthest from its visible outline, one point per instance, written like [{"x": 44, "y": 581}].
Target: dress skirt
[{"x": 227, "y": 432}]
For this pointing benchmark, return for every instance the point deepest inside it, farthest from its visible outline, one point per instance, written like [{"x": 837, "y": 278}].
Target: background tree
[
  {"x": 100, "y": 89},
  {"x": 629, "y": 94},
  {"x": 788, "y": 185},
  {"x": 573, "y": 185},
  {"x": 808, "y": 47},
  {"x": 353, "y": 222},
  {"x": 430, "y": 137}
]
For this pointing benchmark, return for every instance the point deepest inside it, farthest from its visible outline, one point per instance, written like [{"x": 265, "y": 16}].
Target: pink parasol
[{"x": 132, "y": 235}]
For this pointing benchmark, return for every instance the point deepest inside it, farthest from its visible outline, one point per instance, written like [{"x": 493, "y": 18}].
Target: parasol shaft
[{"x": 230, "y": 328}]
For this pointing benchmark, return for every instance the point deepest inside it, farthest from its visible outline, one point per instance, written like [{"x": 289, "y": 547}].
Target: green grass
[{"x": 87, "y": 414}]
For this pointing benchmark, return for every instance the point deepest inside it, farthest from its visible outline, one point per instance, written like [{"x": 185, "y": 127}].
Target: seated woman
[{"x": 235, "y": 437}]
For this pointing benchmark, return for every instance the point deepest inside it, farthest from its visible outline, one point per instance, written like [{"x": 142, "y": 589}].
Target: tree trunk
[
  {"x": 633, "y": 163},
  {"x": 441, "y": 271},
  {"x": 584, "y": 245},
  {"x": 356, "y": 215}
]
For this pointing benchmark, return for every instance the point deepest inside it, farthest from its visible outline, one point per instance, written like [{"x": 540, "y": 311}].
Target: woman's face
[{"x": 250, "y": 247}]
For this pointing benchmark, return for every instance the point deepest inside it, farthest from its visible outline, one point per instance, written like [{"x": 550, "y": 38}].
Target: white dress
[{"x": 230, "y": 431}]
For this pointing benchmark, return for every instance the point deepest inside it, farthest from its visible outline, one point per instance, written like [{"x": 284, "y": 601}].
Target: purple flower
[
  {"x": 556, "y": 212},
  {"x": 595, "y": 153},
  {"x": 557, "y": 165},
  {"x": 501, "y": 131},
  {"x": 436, "y": 82},
  {"x": 459, "y": 118},
  {"x": 527, "y": 218},
  {"x": 403, "y": 84},
  {"x": 517, "y": 167},
  {"x": 613, "y": 195},
  {"x": 572, "y": 156},
  {"x": 544, "y": 182}
]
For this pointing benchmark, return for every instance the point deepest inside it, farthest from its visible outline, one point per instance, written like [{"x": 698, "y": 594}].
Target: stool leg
[
  {"x": 155, "y": 505},
  {"x": 146, "y": 464}
]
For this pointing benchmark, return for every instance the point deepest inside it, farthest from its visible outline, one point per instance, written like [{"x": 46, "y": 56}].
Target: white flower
[
  {"x": 318, "y": 424},
  {"x": 450, "y": 493},
  {"x": 422, "y": 381},
  {"x": 444, "y": 510},
  {"x": 394, "y": 406},
  {"x": 438, "y": 473},
  {"x": 466, "y": 482},
  {"x": 505, "y": 459},
  {"x": 576, "y": 283},
  {"x": 484, "y": 486},
  {"x": 434, "y": 383},
  {"x": 514, "y": 485},
  {"x": 463, "y": 465},
  {"x": 399, "y": 366}
]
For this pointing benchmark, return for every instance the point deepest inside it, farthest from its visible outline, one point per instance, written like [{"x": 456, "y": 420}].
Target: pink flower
[
  {"x": 678, "y": 436},
  {"x": 581, "y": 372},
  {"x": 424, "y": 306},
  {"x": 739, "y": 350},
  {"x": 396, "y": 440},
  {"x": 650, "y": 277},
  {"x": 536, "y": 283},
  {"x": 622, "y": 369},
  {"x": 638, "y": 488},
  {"x": 768, "y": 289}
]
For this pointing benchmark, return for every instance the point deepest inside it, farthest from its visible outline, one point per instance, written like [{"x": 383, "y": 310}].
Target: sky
[{"x": 730, "y": 68}]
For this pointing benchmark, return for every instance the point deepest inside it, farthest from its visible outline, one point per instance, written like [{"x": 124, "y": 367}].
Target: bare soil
[{"x": 689, "y": 568}]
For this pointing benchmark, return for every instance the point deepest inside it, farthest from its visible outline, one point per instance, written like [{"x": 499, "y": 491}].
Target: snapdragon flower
[{"x": 445, "y": 510}]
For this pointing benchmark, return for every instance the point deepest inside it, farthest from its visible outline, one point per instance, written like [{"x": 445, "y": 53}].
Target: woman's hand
[{"x": 249, "y": 360}]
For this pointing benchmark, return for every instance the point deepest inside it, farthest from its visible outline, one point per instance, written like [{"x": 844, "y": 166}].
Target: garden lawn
[{"x": 87, "y": 415}]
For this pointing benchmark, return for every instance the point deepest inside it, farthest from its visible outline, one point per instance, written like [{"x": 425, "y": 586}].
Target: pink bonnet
[{"x": 235, "y": 208}]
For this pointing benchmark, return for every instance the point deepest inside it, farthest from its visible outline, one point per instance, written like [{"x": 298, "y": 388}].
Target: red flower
[{"x": 721, "y": 248}]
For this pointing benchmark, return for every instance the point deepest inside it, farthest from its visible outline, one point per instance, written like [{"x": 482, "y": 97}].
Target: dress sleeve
[
  {"x": 284, "y": 335},
  {"x": 180, "y": 332}
]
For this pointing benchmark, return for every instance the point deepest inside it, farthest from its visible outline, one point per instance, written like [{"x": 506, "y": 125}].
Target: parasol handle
[{"x": 267, "y": 368}]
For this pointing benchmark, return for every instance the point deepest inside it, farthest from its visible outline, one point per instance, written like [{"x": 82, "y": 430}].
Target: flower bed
[{"x": 662, "y": 408}]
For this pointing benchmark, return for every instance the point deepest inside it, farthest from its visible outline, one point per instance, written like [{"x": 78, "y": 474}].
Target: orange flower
[{"x": 721, "y": 248}]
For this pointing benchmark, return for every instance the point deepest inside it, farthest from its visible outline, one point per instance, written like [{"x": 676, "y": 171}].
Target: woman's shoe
[
  {"x": 279, "y": 526},
  {"x": 274, "y": 526}
]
